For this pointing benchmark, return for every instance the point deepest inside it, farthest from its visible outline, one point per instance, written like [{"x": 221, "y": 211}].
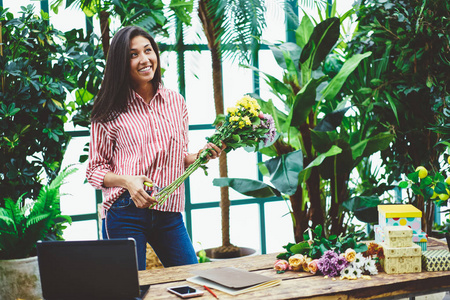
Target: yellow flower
[
  {"x": 247, "y": 121},
  {"x": 232, "y": 111},
  {"x": 234, "y": 119},
  {"x": 241, "y": 124},
  {"x": 306, "y": 263},
  {"x": 296, "y": 262},
  {"x": 350, "y": 254}
]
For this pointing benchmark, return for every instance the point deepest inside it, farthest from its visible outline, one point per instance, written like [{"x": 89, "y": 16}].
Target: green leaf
[
  {"x": 300, "y": 248},
  {"x": 284, "y": 171},
  {"x": 321, "y": 41},
  {"x": 372, "y": 145},
  {"x": 248, "y": 187},
  {"x": 335, "y": 85},
  {"x": 403, "y": 184},
  {"x": 334, "y": 150},
  {"x": 303, "y": 103},
  {"x": 304, "y": 31}
]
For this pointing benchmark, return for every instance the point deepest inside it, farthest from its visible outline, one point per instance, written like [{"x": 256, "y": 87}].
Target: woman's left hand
[{"x": 214, "y": 151}]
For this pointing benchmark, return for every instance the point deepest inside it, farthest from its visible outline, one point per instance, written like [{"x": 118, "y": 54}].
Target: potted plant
[{"x": 22, "y": 224}]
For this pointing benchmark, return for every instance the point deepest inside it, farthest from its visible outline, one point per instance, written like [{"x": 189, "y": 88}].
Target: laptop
[{"x": 97, "y": 269}]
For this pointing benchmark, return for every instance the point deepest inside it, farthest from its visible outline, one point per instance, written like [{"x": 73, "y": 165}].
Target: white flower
[
  {"x": 357, "y": 272},
  {"x": 359, "y": 261},
  {"x": 347, "y": 271},
  {"x": 371, "y": 267}
]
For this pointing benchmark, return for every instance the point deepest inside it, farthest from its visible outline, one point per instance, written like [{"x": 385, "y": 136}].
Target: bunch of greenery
[
  {"x": 22, "y": 225},
  {"x": 316, "y": 244},
  {"x": 404, "y": 85},
  {"x": 36, "y": 74}
]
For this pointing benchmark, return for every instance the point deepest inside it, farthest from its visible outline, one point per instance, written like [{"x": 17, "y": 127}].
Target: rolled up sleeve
[{"x": 100, "y": 153}]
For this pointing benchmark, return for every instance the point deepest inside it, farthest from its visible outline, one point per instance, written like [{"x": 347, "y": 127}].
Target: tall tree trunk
[
  {"x": 104, "y": 28},
  {"x": 300, "y": 218},
  {"x": 338, "y": 188},
  {"x": 223, "y": 170}
]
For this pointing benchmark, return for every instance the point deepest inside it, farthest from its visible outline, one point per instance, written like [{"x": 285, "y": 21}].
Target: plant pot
[
  {"x": 19, "y": 279},
  {"x": 243, "y": 251}
]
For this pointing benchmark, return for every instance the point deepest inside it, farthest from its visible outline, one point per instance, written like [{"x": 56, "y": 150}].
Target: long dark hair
[{"x": 112, "y": 98}]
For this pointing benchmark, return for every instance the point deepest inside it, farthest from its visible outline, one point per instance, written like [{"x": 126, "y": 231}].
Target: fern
[
  {"x": 19, "y": 232},
  {"x": 39, "y": 218}
]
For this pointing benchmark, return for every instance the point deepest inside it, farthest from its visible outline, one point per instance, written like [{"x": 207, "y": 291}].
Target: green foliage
[
  {"x": 36, "y": 74},
  {"x": 316, "y": 244},
  {"x": 318, "y": 144},
  {"x": 22, "y": 225},
  {"x": 404, "y": 85}
]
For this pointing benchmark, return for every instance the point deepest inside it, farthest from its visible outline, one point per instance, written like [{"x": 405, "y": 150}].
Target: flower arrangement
[
  {"x": 347, "y": 265},
  {"x": 243, "y": 125},
  {"x": 333, "y": 256}
]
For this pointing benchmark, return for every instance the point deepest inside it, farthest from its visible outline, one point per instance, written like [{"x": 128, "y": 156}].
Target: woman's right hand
[{"x": 135, "y": 186}]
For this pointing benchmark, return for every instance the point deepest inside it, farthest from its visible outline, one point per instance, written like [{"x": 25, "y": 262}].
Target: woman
[{"x": 139, "y": 134}]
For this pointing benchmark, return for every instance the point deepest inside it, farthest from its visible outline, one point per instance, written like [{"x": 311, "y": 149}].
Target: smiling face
[{"x": 143, "y": 61}]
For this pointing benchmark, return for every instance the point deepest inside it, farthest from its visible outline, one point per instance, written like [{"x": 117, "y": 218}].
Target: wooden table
[{"x": 301, "y": 285}]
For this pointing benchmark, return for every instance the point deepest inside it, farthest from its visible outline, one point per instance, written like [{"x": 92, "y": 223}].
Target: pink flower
[
  {"x": 281, "y": 266},
  {"x": 312, "y": 266}
]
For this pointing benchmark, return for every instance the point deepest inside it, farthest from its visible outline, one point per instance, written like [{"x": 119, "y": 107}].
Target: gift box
[
  {"x": 436, "y": 260},
  {"x": 402, "y": 260},
  {"x": 400, "y": 215},
  {"x": 398, "y": 236},
  {"x": 379, "y": 233}
]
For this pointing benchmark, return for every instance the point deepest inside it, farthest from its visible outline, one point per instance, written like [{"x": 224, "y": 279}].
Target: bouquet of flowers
[{"x": 243, "y": 125}]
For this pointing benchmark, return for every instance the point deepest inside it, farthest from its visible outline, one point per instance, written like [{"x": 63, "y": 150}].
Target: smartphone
[{"x": 185, "y": 291}]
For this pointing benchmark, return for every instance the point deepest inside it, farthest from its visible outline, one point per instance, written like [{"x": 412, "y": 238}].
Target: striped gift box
[{"x": 436, "y": 260}]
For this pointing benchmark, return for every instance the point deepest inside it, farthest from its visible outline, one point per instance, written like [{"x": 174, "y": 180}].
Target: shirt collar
[{"x": 162, "y": 91}]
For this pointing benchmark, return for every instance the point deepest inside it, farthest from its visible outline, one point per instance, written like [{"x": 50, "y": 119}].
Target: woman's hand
[
  {"x": 140, "y": 197},
  {"x": 214, "y": 151},
  {"x": 134, "y": 185}
]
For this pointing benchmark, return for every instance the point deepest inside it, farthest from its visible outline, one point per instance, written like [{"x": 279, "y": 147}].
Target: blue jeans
[{"x": 164, "y": 231}]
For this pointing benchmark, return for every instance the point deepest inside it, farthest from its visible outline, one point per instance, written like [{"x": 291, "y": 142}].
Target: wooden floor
[{"x": 301, "y": 285}]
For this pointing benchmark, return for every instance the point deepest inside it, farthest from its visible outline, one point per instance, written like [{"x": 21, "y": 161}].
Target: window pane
[
  {"x": 279, "y": 226},
  {"x": 77, "y": 197},
  {"x": 83, "y": 230}
]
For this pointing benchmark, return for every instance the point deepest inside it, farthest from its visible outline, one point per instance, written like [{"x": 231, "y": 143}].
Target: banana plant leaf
[
  {"x": 306, "y": 172},
  {"x": 248, "y": 187},
  {"x": 294, "y": 53},
  {"x": 284, "y": 171},
  {"x": 331, "y": 120},
  {"x": 304, "y": 101},
  {"x": 371, "y": 145},
  {"x": 321, "y": 41},
  {"x": 304, "y": 31},
  {"x": 364, "y": 208},
  {"x": 335, "y": 85}
]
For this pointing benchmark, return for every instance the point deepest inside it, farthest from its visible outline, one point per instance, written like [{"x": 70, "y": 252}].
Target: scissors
[{"x": 155, "y": 187}]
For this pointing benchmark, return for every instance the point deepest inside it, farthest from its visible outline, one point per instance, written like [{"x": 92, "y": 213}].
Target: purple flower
[
  {"x": 331, "y": 264},
  {"x": 268, "y": 122}
]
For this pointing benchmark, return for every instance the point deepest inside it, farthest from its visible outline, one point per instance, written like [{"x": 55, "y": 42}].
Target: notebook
[
  {"x": 232, "y": 281},
  {"x": 97, "y": 269}
]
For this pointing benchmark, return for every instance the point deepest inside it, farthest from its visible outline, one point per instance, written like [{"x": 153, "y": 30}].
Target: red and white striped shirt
[{"x": 148, "y": 139}]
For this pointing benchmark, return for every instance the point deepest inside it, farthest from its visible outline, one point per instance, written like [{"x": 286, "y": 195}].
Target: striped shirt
[{"x": 148, "y": 139}]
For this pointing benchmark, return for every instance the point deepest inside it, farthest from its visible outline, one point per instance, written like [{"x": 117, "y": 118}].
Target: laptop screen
[{"x": 98, "y": 269}]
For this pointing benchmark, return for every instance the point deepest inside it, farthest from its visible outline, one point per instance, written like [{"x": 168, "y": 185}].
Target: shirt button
[{"x": 158, "y": 168}]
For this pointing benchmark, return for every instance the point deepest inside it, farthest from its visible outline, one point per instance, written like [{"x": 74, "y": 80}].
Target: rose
[
  {"x": 350, "y": 254},
  {"x": 296, "y": 262},
  {"x": 281, "y": 266},
  {"x": 312, "y": 266},
  {"x": 305, "y": 264}
]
